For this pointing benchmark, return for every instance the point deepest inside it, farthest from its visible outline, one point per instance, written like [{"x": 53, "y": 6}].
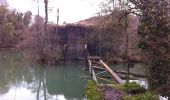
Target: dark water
[{"x": 22, "y": 80}]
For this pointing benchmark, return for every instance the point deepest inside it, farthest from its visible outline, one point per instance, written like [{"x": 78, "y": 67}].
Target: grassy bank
[{"x": 127, "y": 91}]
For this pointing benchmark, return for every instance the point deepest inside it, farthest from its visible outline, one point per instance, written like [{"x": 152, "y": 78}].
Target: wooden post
[
  {"x": 91, "y": 71},
  {"x": 86, "y": 53},
  {"x": 94, "y": 76},
  {"x": 90, "y": 67}
]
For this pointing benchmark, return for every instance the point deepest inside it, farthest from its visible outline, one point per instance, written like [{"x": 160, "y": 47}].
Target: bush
[
  {"x": 133, "y": 88},
  {"x": 148, "y": 96},
  {"x": 92, "y": 92}
]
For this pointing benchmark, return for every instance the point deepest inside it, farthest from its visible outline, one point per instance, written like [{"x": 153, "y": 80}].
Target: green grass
[
  {"x": 133, "y": 88},
  {"x": 92, "y": 91},
  {"x": 143, "y": 96},
  {"x": 133, "y": 91}
]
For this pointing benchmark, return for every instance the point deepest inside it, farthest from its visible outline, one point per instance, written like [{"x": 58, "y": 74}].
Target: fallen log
[{"x": 112, "y": 73}]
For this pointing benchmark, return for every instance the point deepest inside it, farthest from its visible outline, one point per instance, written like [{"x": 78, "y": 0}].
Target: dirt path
[{"x": 111, "y": 93}]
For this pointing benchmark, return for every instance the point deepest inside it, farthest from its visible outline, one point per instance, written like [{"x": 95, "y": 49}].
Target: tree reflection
[
  {"x": 10, "y": 71},
  {"x": 42, "y": 80},
  {"x": 39, "y": 86}
]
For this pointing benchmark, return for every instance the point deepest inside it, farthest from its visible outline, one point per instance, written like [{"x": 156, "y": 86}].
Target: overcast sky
[{"x": 70, "y": 10}]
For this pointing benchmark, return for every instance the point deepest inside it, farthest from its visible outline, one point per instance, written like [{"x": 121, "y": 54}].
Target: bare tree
[{"x": 46, "y": 21}]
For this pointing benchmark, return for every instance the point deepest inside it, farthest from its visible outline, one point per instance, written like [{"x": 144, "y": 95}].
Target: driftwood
[
  {"x": 104, "y": 79},
  {"x": 112, "y": 73},
  {"x": 133, "y": 74},
  {"x": 100, "y": 68}
]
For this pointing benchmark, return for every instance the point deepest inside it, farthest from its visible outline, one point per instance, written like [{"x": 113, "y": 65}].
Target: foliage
[
  {"x": 154, "y": 31},
  {"x": 144, "y": 96},
  {"x": 133, "y": 88},
  {"x": 12, "y": 25},
  {"x": 27, "y": 18},
  {"x": 154, "y": 36},
  {"x": 92, "y": 91},
  {"x": 36, "y": 33}
]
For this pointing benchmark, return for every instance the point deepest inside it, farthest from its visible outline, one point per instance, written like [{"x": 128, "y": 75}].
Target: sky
[{"x": 70, "y": 10}]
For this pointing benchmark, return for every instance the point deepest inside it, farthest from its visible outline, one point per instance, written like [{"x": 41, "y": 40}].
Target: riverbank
[{"x": 127, "y": 91}]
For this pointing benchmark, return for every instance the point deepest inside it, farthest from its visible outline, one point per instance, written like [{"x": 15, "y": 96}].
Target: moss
[
  {"x": 92, "y": 91},
  {"x": 144, "y": 96}
]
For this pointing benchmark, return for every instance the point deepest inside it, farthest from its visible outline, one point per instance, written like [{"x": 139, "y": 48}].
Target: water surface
[
  {"x": 20, "y": 79},
  {"x": 23, "y": 80}
]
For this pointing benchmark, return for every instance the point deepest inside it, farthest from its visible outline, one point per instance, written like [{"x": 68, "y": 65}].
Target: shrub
[
  {"x": 133, "y": 88},
  {"x": 92, "y": 92},
  {"x": 148, "y": 96}
]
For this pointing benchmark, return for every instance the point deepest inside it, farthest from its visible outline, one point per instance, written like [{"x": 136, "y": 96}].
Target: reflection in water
[
  {"x": 25, "y": 94},
  {"x": 41, "y": 81},
  {"x": 21, "y": 79},
  {"x": 68, "y": 82}
]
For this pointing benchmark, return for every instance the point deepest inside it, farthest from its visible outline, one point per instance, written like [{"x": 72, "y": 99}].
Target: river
[{"x": 22, "y": 80}]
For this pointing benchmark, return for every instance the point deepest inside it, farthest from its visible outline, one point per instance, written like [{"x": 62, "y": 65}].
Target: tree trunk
[
  {"x": 127, "y": 44},
  {"x": 46, "y": 21}
]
